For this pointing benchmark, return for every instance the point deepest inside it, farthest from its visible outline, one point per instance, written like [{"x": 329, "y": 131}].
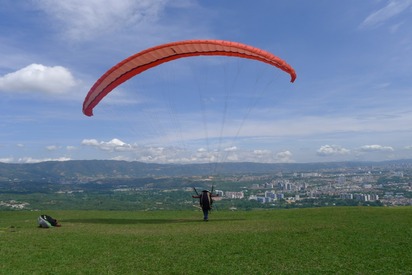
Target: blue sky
[{"x": 351, "y": 100}]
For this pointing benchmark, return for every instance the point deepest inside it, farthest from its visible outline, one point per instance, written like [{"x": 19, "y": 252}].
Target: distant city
[
  {"x": 124, "y": 185},
  {"x": 389, "y": 187}
]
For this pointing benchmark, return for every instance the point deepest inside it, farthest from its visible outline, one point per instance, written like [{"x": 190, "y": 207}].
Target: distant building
[
  {"x": 234, "y": 195},
  {"x": 268, "y": 185},
  {"x": 261, "y": 199},
  {"x": 253, "y": 198},
  {"x": 374, "y": 197},
  {"x": 341, "y": 180},
  {"x": 220, "y": 193},
  {"x": 346, "y": 196},
  {"x": 310, "y": 175},
  {"x": 270, "y": 194},
  {"x": 366, "y": 197},
  {"x": 398, "y": 174}
]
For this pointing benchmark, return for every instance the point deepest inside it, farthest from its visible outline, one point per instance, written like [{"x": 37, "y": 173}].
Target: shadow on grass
[{"x": 141, "y": 221}]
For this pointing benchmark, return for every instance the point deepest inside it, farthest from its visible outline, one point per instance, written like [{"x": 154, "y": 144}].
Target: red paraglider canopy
[{"x": 152, "y": 57}]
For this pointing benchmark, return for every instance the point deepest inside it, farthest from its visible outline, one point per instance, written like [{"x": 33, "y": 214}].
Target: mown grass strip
[{"x": 348, "y": 240}]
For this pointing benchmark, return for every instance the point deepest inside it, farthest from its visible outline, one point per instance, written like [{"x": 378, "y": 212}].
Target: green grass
[{"x": 352, "y": 240}]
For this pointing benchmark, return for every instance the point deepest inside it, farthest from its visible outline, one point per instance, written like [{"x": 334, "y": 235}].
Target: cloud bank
[{"x": 38, "y": 78}]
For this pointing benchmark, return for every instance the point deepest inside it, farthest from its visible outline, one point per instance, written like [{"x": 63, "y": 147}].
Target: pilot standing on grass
[{"x": 205, "y": 201}]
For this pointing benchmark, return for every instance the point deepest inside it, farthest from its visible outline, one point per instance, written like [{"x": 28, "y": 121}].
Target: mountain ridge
[{"x": 88, "y": 169}]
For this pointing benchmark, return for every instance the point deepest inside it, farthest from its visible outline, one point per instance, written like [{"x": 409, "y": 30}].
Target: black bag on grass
[{"x": 45, "y": 221}]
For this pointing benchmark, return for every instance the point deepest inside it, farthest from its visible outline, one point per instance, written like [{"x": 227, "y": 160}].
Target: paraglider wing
[{"x": 152, "y": 57}]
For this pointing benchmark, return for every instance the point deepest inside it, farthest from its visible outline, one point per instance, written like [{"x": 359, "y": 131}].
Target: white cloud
[
  {"x": 90, "y": 142},
  {"x": 52, "y": 148},
  {"x": 232, "y": 157},
  {"x": 267, "y": 156},
  {"x": 332, "y": 150},
  {"x": 38, "y": 78},
  {"x": 374, "y": 148},
  {"x": 85, "y": 20},
  {"x": 231, "y": 149},
  {"x": 34, "y": 160},
  {"x": 392, "y": 9},
  {"x": 112, "y": 145},
  {"x": 6, "y": 160},
  {"x": 284, "y": 157},
  {"x": 173, "y": 154},
  {"x": 262, "y": 152},
  {"x": 259, "y": 155}
]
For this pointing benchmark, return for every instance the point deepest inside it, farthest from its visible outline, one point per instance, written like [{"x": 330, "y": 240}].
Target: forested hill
[{"x": 92, "y": 169}]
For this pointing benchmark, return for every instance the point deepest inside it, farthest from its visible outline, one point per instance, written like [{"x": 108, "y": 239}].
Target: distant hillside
[{"x": 84, "y": 170}]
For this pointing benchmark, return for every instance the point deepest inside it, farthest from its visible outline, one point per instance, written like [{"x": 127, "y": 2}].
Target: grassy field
[{"x": 352, "y": 240}]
